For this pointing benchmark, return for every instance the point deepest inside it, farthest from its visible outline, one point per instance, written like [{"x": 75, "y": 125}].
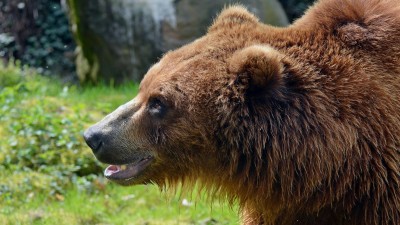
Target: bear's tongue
[
  {"x": 128, "y": 171},
  {"x": 111, "y": 169},
  {"x": 122, "y": 172}
]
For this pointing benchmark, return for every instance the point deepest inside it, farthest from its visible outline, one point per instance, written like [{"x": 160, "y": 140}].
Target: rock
[{"x": 120, "y": 39}]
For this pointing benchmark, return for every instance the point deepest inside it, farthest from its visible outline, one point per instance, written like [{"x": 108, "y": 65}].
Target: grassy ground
[
  {"x": 49, "y": 176},
  {"x": 114, "y": 205}
]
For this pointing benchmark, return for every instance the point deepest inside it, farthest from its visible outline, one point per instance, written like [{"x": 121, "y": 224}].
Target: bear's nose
[{"x": 93, "y": 139}]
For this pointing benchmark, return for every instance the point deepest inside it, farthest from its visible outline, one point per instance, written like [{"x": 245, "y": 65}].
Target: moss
[
  {"x": 86, "y": 61},
  {"x": 82, "y": 65}
]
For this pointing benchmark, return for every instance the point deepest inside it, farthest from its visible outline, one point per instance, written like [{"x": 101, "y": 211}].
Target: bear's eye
[{"x": 156, "y": 107}]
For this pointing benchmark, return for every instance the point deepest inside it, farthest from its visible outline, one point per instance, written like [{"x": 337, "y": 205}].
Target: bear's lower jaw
[{"x": 127, "y": 173}]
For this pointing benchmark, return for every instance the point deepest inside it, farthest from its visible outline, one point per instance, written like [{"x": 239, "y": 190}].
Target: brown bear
[{"x": 298, "y": 125}]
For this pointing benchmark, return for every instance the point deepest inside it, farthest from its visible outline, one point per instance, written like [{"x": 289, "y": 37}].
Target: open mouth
[{"x": 127, "y": 171}]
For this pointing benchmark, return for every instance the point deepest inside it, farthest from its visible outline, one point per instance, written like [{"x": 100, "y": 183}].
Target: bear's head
[
  {"x": 299, "y": 124},
  {"x": 192, "y": 116}
]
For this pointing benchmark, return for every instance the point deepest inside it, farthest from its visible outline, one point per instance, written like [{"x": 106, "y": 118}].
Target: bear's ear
[
  {"x": 260, "y": 65},
  {"x": 231, "y": 16}
]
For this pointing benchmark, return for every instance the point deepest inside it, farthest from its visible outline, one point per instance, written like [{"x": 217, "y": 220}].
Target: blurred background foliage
[
  {"x": 40, "y": 129},
  {"x": 37, "y": 33}
]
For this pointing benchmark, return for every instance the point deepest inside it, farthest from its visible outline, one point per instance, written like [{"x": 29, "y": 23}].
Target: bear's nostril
[
  {"x": 96, "y": 146},
  {"x": 93, "y": 139}
]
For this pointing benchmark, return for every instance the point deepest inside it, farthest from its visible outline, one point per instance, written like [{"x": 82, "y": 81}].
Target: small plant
[{"x": 10, "y": 74}]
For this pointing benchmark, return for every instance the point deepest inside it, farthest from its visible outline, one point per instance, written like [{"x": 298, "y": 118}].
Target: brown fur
[{"x": 300, "y": 125}]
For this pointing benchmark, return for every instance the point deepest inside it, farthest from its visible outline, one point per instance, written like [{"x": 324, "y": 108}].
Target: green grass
[
  {"x": 112, "y": 204},
  {"x": 49, "y": 176}
]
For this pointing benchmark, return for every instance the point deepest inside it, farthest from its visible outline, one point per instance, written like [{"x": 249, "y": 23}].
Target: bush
[{"x": 37, "y": 33}]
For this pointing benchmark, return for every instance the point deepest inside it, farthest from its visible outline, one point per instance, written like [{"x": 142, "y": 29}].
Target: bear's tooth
[{"x": 123, "y": 167}]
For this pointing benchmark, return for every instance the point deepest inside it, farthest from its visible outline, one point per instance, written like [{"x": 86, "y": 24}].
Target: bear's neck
[{"x": 290, "y": 157}]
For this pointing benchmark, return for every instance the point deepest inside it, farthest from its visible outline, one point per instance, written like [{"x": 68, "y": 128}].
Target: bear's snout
[
  {"x": 102, "y": 145},
  {"x": 93, "y": 139},
  {"x": 110, "y": 139}
]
